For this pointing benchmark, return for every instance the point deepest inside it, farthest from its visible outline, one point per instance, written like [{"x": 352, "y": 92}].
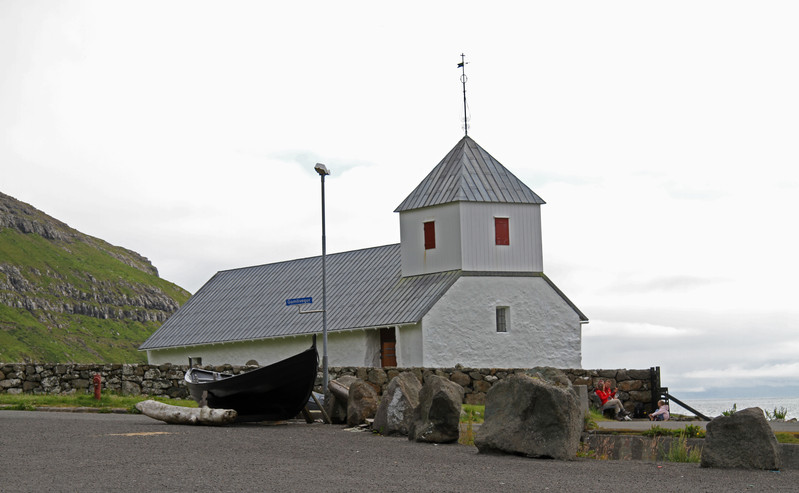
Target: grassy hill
[{"x": 69, "y": 297}]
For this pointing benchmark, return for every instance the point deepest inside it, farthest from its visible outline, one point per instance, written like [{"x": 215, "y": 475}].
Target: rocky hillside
[{"x": 68, "y": 297}]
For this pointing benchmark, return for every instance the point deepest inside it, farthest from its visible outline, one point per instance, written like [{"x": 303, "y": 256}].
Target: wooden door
[{"x": 388, "y": 347}]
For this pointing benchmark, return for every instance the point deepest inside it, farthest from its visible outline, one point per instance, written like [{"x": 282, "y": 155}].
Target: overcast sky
[{"x": 663, "y": 137}]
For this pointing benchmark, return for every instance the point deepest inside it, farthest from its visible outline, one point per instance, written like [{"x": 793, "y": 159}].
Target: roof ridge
[{"x": 309, "y": 258}]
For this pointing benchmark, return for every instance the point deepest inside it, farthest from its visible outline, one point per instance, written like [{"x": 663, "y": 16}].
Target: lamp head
[{"x": 321, "y": 169}]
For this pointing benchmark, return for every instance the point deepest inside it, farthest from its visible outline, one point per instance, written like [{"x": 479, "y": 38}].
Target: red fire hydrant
[{"x": 97, "y": 385}]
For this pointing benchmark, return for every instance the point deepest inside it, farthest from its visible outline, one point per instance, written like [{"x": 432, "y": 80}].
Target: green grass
[
  {"x": 787, "y": 437},
  {"x": 679, "y": 451},
  {"x": 60, "y": 272},
  {"x": 597, "y": 415},
  {"x": 473, "y": 413},
  {"x": 690, "y": 431},
  {"x": 108, "y": 401},
  {"x": 778, "y": 413}
]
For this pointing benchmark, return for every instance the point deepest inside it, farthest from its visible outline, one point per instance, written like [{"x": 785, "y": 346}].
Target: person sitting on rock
[
  {"x": 609, "y": 400},
  {"x": 662, "y": 414}
]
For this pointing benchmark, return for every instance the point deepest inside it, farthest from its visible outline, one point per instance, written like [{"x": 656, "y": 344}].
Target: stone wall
[
  {"x": 167, "y": 380},
  {"x": 635, "y": 386}
]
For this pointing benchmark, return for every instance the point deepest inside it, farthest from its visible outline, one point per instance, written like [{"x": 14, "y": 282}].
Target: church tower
[{"x": 470, "y": 214}]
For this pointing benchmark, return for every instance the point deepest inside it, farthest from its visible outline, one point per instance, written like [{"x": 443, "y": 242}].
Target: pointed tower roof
[{"x": 469, "y": 174}]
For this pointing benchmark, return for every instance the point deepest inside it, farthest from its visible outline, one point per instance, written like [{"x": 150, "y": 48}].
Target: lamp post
[{"x": 323, "y": 171}]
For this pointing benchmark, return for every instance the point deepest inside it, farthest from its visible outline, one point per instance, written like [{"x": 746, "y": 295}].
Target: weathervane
[{"x": 462, "y": 66}]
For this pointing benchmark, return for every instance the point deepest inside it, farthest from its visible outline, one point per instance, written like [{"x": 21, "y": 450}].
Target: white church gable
[{"x": 541, "y": 329}]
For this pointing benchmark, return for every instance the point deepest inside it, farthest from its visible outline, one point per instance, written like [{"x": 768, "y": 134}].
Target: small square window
[
  {"x": 429, "y": 235},
  {"x": 503, "y": 318}
]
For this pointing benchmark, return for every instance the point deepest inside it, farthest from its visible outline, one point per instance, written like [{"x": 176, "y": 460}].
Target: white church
[{"x": 465, "y": 285}]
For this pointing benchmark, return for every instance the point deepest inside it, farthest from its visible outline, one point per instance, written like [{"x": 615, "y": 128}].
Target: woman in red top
[{"x": 609, "y": 401}]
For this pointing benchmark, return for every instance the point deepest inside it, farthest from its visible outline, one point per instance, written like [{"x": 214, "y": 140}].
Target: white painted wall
[
  {"x": 410, "y": 346},
  {"x": 447, "y": 253},
  {"x": 461, "y": 327},
  {"x": 350, "y": 348},
  {"x": 480, "y": 251}
]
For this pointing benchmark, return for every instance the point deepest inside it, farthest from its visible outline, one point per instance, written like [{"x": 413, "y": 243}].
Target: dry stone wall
[
  {"x": 164, "y": 380},
  {"x": 634, "y": 386},
  {"x": 167, "y": 380}
]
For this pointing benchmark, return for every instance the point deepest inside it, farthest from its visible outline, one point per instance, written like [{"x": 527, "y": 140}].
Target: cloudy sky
[{"x": 663, "y": 137}]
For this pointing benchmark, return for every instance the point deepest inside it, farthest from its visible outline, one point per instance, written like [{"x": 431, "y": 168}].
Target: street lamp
[{"x": 323, "y": 171}]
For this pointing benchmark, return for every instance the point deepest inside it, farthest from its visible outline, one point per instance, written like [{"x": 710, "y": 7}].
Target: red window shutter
[
  {"x": 429, "y": 235},
  {"x": 502, "y": 233}
]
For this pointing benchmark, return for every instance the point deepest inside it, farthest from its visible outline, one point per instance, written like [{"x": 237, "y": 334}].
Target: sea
[{"x": 715, "y": 407}]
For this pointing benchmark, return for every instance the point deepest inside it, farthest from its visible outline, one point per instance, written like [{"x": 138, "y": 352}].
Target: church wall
[
  {"x": 410, "y": 346},
  {"x": 461, "y": 327},
  {"x": 350, "y": 348},
  {"x": 447, "y": 254},
  {"x": 480, "y": 252}
]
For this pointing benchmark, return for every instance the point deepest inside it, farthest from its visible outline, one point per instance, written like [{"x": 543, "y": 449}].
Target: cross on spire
[{"x": 462, "y": 66}]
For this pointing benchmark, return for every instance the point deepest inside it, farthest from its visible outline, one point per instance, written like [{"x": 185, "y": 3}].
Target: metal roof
[
  {"x": 365, "y": 289},
  {"x": 468, "y": 173}
]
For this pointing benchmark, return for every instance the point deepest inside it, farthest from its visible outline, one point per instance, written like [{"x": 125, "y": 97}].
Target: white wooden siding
[
  {"x": 480, "y": 251},
  {"x": 465, "y": 239},
  {"x": 447, "y": 253}
]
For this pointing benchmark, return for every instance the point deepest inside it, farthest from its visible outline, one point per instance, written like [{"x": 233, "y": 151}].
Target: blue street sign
[{"x": 299, "y": 301}]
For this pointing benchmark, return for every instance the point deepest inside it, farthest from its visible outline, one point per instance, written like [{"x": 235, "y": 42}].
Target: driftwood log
[
  {"x": 340, "y": 392},
  {"x": 186, "y": 415}
]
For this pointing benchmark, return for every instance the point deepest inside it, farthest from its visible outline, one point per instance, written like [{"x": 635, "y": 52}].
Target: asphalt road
[{"x": 43, "y": 451}]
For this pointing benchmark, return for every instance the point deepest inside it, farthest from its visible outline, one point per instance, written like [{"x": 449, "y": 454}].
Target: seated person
[
  {"x": 662, "y": 414},
  {"x": 608, "y": 398}
]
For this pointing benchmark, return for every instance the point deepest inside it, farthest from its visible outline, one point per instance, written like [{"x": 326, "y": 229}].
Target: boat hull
[{"x": 271, "y": 393}]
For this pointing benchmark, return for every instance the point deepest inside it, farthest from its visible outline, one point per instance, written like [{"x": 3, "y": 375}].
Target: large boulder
[
  {"x": 437, "y": 417},
  {"x": 551, "y": 375},
  {"x": 361, "y": 403},
  {"x": 743, "y": 440},
  {"x": 334, "y": 407},
  {"x": 533, "y": 417},
  {"x": 400, "y": 399}
]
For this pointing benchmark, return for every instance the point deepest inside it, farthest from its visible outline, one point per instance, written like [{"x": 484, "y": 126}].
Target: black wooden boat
[{"x": 271, "y": 393}]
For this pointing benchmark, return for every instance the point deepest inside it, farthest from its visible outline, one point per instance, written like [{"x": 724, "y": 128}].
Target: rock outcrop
[
  {"x": 52, "y": 276},
  {"x": 29, "y": 220}
]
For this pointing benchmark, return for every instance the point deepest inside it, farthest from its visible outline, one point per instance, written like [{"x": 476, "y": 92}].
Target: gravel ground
[{"x": 107, "y": 452}]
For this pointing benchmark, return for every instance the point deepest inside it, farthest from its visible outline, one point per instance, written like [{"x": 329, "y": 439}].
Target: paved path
[{"x": 107, "y": 452}]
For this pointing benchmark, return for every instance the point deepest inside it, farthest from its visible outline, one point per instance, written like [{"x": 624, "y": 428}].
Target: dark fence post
[{"x": 655, "y": 389}]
